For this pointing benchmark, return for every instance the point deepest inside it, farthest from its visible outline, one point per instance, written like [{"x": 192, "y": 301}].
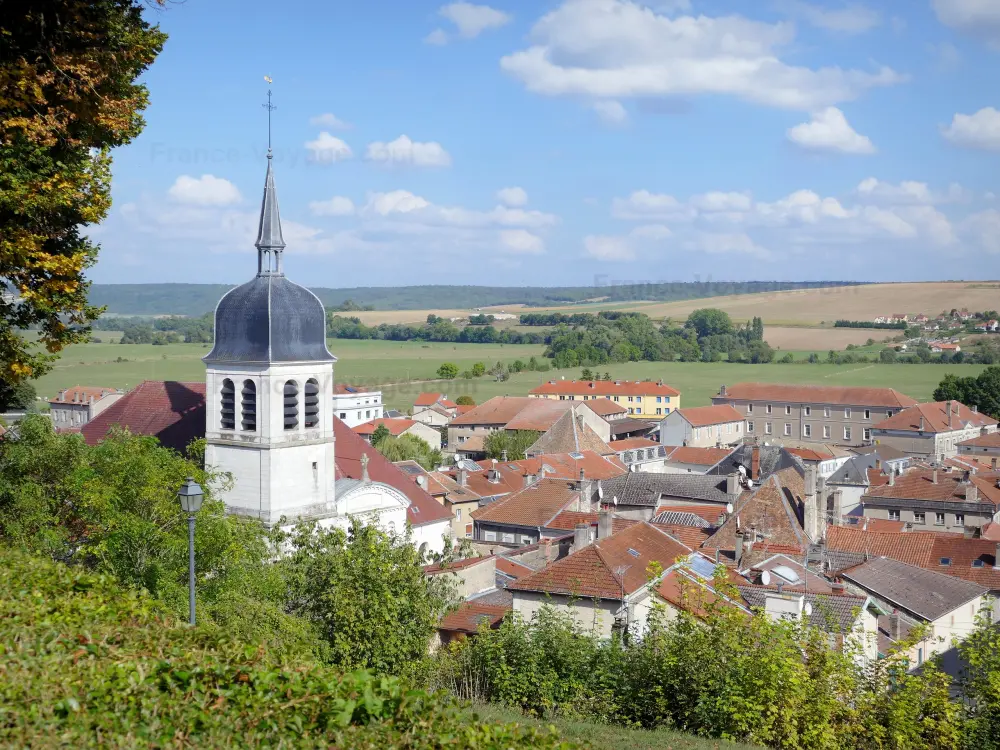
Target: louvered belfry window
[
  {"x": 228, "y": 410},
  {"x": 291, "y": 405},
  {"x": 312, "y": 403},
  {"x": 249, "y": 406}
]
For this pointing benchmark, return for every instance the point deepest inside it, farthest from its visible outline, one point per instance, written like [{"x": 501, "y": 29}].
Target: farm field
[
  {"x": 797, "y": 307},
  {"x": 798, "y": 338},
  {"x": 400, "y": 366}
]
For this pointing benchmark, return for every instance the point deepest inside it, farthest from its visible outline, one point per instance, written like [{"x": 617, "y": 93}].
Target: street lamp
[{"x": 190, "y": 494}]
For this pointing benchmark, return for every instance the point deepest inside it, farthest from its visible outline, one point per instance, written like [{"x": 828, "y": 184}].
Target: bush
[
  {"x": 448, "y": 371},
  {"x": 88, "y": 664},
  {"x": 478, "y": 370}
]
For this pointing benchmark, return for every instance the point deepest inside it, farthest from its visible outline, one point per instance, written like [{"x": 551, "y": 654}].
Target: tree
[
  {"x": 888, "y": 356},
  {"x": 410, "y": 448},
  {"x": 478, "y": 370},
  {"x": 379, "y": 434},
  {"x": 448, "y": 371},
  {"x": 68, "y": 74},
  {"x": 367, "y": 593},
  {"x": 21, "y": 395},
  {"x": 500, "y": 372},
  {"x": 510, "y": 445},
  {"x": 465, "y": 400},
  {"x": 709, "y": 322}
]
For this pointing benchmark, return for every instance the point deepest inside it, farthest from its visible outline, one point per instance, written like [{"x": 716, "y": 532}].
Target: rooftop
[
  {"x": 991, "y": 440},
  {"x": 949, "y": 487},
  {"x": 81, "y": 394},
  {"x": 934, "y": 417},
  {"x": 696, "y": 456},
  {"x": 818, "y": 394},
  {"x": 534, "y": 505},
  {"x": 569, "y": 434},
  {"x": 706, "y": 416},
  {"x": 644, "y": 488},
  {"x": 606, "y": 388},
  {"x": 171, "y": 411},
  {"x": 395, "y": 426}
]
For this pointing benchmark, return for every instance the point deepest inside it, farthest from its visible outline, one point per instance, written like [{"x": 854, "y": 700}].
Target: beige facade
[
  {"x": 468, "y": 580},
  {"x": 927, "y": 444},
  {"x": 927, "y": 515},
  {"x": 810, "y": 423}
]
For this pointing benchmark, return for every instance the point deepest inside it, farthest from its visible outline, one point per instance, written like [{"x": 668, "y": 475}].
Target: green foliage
[
  {"x": 19, "y": 395},
  {"x": 379, "y": 434},
  {"x": 478, "y": 370},
  {"x": 448, "y": 371},
  {"x": 408, "y": 448},
  {"x": 366, "y": 592},
  {"x": 88, "y": 664},
  {"x": 465, "y": 400},
  {"x": 513, "y": 445},
  {"x": 709, "y": 322},
  {"x": 981, "y": 391}
]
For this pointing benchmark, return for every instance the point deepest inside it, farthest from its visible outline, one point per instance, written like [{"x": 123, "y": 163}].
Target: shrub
[{"x": 448, "y": 371}]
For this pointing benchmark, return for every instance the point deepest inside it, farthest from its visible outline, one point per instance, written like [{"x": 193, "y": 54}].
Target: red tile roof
[
  {"x": 593, "y": 570},
  {"x": 469, "y": 615},
  {"x": 632, "y": 443},
  {"x": 689, "y": 536},
  {"x": 171, "y": 411},
  {"x": 512, "y": 568},
  {"x": 603, "y": 407},
  {"x": 935, "y": 418},
  {"x": 818, "y": 394},
  {"x": 535, "y": 505},
  {"x": 992, "y": 440},
  {"x": 427, "y": 399},
  {"x": 605, "y": 388},
  {"x": 423, "y": 508},
  {"x": 710, "y": 512},
  {"x": 395, "y": 426},
  {"x": 950, "y": 487},
  {"x": 771, "y": 511},
  {"x": 343, "y": 389},
  {"x": 697, "y": 456},
  {"x": 81, "y": 394},
  {"x": 567, "y": 466},
  {"x": 464, "y": 408},
  {"x": 706, "y": 416},
  {"x": 809, "y": 454},
  {"x": 468, "y": 562}
]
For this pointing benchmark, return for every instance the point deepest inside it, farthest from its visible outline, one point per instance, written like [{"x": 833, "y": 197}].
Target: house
[
  {"x": 945, "y": 347},
  {"x": 604, "y": 585},
  {"x": 702, "y": 426},
  {"x": 915, "y": 596},
  {"x": 640, "y": 454},
  {"x": 640, "y": 496},
  {"x": 173, "y": 412},
  {"x": 468, "y": 577},
  {"x": 457, "y": 499},
  {"x": 932, "y": 430},
  {"x": 400, "y": 427},
  {"x": 642, "y": 398},
  {"x": 825, "y": 461},
  {"x": 354, "y": 404},
  {"x": 982, "y": 447},
  {"x": 686, "y": 460},
  {"x": 74, "y": 407},
  {"x": 812, "y": 413},
  {"x": 939, "y": 499},
  {"x": 569, "y": 434},
  {"x": 466, "y": 621},
  {"x": 544, "y": 508},
  {"x": 848, "y": 484},
  {"x": 426, "y": 401},
  {"x": 921, "y": 318}
]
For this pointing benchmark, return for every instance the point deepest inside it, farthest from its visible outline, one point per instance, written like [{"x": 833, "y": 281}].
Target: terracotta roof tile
[
  {"x": 992, "y": 440},
  {"x": 535, "y": 505},
  {"x": 171, "y": 411},
  {"x": 569, "y": 434},
  {"x": 706, "y": 416},
  {"x": 949, "y": 488},
  {"x": 512, "y": 568},
  {"x": 808, "y": 454},
  {"x": 818, "y": 394},
  {"x": 427, "y": 399},
  {"x": 81, "y": 394},
  {"x": 470, "y": 615},
  {"x": 771, "y": 511},
  {"x": 606, "y": 388},
  {"x": 935, "y": 418},
  {"x": 689, "y": 536},
  {"x": 395, "y": 426}
]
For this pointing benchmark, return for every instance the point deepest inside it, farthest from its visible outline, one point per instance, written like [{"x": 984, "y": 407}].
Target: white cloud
[
  {"x": 850, "y": 19},
  {"x": 980, "y": 130},
  {"x": 607, "y": 248},
  {"x": 983, "y": 229},
  {"x": 338, "y": 205},
  {"x": 329, "y": 120},
  {"x": 470, "y": 21},
  {"x": 652, "y": 232},
  {"x": 328, "y": 149},
  {"x": 512, "y": 196},
  {"x": 643, "y": 204},
  {"x": 521, "y": 242},
  {"x": 404, "y": 205},
  {"x": 910, "y": 192},
  {"x": 612, "y": 49},
  {"x": 978, "y": 18},
  {"x": 403, "y": 151},
  {"x": 729, "y": 244},
  {"x": 828, "y": 130},
  {"x": 611, "y": 112},
  {"x": 720, "y": 201},
  {"x": 207, "y": 190}
]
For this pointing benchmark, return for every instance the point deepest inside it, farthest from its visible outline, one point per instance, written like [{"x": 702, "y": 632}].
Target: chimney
[
  {"x": 733, "y": 484},
  {"x": 923, "y": 423},
  {"x": 722, "y": 390},
  {"x": 892, "y": 476},
  {"x": 62, "y": 395},
  {"x": 838, "y": 588},
  {"x": 878, "y": 464},
  {"x": 993, "y": 463},
  {"x": 975, "y": 408},
  {"x": 528, "y": 479},
  {"x": 779, "y": 606},
  {"x": 581, "y": 536},
  {"x": 971, "y": 493},
  {"x": 810, "y": 480},
  {"x": 950, "y": 414},
  {"x": 739, "y": 548},
  {"x": 604, "y": 524},
  {"x": 550, "y": 551},
  {"x": 463, "y": 476},
  {"x": 895, "y": 628},
  {"x": 586, "y": 493},
  {"x": 934, "y": 476}
]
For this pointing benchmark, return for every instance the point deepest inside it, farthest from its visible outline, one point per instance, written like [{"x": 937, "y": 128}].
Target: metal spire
[{"x": 269, "y": 239}]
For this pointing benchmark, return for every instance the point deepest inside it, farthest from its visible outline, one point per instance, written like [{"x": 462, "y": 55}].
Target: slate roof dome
[{"x": 269, "y": 318}]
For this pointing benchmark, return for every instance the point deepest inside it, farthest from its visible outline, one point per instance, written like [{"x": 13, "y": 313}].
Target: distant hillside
[{"x": 197, "y": 299}]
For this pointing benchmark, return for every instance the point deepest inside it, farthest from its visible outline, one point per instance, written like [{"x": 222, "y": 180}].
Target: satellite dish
[
  {"x": 458, "y": 459},
  {"x": 600, "y": 491},
  {"x": 765, "y": 578},
  {"x": 749, "y": 484},
  {"x": 614, "y": 501},
  {"x": 742, "y": 469},
  {"x": 808, "y": 609},
  {"x": 729, "y": 507}
]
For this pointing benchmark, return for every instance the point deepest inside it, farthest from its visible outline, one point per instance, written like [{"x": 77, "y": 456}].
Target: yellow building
[{"x": 644, "y": 399}]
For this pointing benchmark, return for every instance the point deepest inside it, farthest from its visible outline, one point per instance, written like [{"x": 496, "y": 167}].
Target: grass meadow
[{"x": 398, "y": 368}]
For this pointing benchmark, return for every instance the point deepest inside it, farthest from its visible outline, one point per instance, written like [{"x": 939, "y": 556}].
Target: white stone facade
[{"x": 357, "y": 408}]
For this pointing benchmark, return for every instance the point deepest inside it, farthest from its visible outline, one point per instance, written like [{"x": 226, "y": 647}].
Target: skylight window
[
  {"x": 946, "y": 561},
  {"x": 633, "y": 552},
  {"x": 577, "y": 456},
  {"x": 786, "y": 573},
  {"x": 978, "y": 564}
]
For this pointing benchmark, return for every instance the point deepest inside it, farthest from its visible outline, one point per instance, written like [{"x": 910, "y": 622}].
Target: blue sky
[{"x": 558, "y": 142}]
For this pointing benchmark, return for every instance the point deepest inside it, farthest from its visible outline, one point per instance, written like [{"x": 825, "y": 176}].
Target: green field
[
  {"x": 604, "y": 737},
  {"x": 399, "y": 366}
]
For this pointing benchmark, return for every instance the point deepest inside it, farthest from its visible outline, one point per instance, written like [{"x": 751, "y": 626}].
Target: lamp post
[{"x": 190, "y": 494}]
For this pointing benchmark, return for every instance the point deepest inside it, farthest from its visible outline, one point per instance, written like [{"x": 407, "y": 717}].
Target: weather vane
[{"x": 270, "y": 108}]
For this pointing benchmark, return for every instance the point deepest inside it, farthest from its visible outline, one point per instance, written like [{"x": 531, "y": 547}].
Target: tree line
[
  {"x": 436, "y": 329},
  {"x": 897, "y": 326}
]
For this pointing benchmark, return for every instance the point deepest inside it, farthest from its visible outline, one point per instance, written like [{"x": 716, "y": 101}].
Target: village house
[
  {"x": 74, "y": 407},
  {"x": 640, "y": 454},
  {"x": 354, "y": 404},
  {"x": 982, "y": 447},
  {"x": 932, "y": 430},
  {"x": 400, "y": 427},
  {"x": 842, "y": 415},
  {"x": 434, "y": 409},
  {"x": 544, "y": 508},
  {"x": 642, "y": 398},
  {"x": 702, "y": 427}
]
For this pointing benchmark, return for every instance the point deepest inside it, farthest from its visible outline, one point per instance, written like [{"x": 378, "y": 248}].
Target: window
[
  {"x": 939, "y": 519},
  {"x": 562, "y": 398},
  {"x": 616, "y": 398},
  {"x": 525, "y": 540},
  {"x": 359, "y": 414},
  {"x": 311, "y": 403},
  {"x": 847, "y": 433},
  {"x": 508, "y": 538},
  {"x": 458, "y": 514},
  {"x": 826, "y": 432},
  {"x": 978, "y": 564},
  {"x": 946, "y": 561},
  {"x": 291, "y": 396},
  {"x": 960, "y": 519},
  {"x": 920, "y": 656},
  {"x": 867, "y": 433},
  {"x": 749, "y": 408},
  {"x": 248, "y": 406},
  {"x": 826, "y": 412},
  {"x": 868, "y": 413},
  {"x": 343, "y": 415},
  {"x": 666, "y": 399},
  {"x": 788, "y": 428},
  {"x": 919, "y": 516},
  {"x": 227, "y": 413},
  {"x": 788, "y": 410},
  {"x": 572, "y": 398},
  {"x": 659, "y": 410},
  {"x": 638, "y": 399},
  {"x": 893, "y": 515},
  {"x": 630, "y": 399},
  {"x": 767, "y": 428},
  {"x": 368, "y": 414},
  {"x": 807, "y": 430},
  {"x": 749, "y": 425},
  {"x": 847, "y": 412},
  {"x": 490, "y": 536},
  {"x": 767, "y": 409},
  {"x": 807, "y": 410}
]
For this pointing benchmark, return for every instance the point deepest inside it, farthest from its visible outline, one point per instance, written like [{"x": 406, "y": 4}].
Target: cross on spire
[
  {"x": 270, "y": 108},
  {"x": 269, "y": 239}
]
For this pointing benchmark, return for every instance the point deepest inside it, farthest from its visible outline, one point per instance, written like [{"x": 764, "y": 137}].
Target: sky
[{"x": 567, "y": 142}]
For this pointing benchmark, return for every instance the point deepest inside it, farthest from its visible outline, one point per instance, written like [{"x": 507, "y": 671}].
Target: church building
[{"x": 266, "y": 412}]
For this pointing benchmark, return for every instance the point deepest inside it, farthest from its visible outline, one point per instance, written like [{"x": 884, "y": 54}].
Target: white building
[
  {"x": 76, "y": 406},
  {"x": 702, "y": 427},
  {"x": 355, "y": 404}
]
